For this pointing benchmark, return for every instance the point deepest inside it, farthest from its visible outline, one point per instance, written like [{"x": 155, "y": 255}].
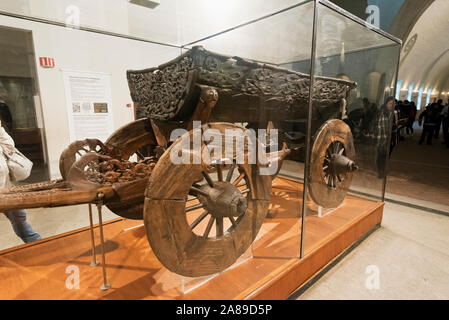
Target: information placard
[{"x": 88, "y": 96}]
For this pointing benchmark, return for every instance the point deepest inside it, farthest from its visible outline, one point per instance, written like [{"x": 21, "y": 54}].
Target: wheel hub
[
  {"x": 340, "y": 165},
  {"x": 336, "y": 165},
  {"x": 223, "y": 200}
]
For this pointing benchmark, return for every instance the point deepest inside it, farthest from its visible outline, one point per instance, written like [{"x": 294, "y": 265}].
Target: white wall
[
  {"x": 103, "y": 14},
  {"x": 84, "y": 51}
]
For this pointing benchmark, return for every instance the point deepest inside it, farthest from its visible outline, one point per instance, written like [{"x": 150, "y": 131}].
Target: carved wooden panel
[{"x": 169, "y": 91}]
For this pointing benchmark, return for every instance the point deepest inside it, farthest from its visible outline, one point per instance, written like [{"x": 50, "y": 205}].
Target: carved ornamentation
[{"x": 161, "y": 93}]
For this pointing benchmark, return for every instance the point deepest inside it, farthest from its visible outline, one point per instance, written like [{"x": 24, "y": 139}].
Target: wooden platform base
[{"x": 46, "y": 269}]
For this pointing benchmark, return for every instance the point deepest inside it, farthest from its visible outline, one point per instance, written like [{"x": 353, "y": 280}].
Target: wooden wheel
[
  {"x": 200, "y": 218},
  {"x": 77, "y": 149},
  {"x": 77, "y": 177},
  {"x": 129, "y": 140},
  {"x": 77, "y": 159},
  {"x": 331, "y": 164}
]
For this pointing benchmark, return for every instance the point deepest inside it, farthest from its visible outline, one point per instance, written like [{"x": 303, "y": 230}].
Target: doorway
[{"x": 20, "y": 99}]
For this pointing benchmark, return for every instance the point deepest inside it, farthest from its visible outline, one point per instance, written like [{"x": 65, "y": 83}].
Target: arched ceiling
[
  {"x": 407, "y": 16},
  {"x": 425, "y": 55}
]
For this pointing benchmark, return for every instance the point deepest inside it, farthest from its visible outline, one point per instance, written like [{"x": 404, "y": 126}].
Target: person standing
[
  {"x": 445, "y": 120},
  {"x": 430, "y": 116},
  {"x": 382, "y": 135},
  {"x": 18, "y": 218},
  {"x": 438, "y": 119},
  {"x": 411, "y": 118}
]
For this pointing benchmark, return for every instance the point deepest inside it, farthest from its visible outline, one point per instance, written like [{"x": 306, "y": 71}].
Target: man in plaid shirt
[{"x": 382, "y": 133}]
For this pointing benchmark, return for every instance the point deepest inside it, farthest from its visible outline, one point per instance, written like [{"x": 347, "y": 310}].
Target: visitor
[
  {"x": 5, "y": 115},
  {"x": 18, "y": 218},
  {"x": 411, "y": 118},
  {"x": 445, "y": 121},
  {"x": 382, "y": 133},
  {"x": 438, "y": 119},
  {"x": 430, "y": 116}
]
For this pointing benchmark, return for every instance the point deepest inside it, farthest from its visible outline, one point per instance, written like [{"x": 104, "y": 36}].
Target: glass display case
[
  {"x": 332, "y": 47},
  {"x": 305, "y": 82},
  {"x": 352, "y": 50}
]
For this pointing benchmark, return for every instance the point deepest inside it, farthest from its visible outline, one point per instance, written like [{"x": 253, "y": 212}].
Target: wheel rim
[
  {"x": 75, "y": 151},
  {"x": 128, "y": 140}
]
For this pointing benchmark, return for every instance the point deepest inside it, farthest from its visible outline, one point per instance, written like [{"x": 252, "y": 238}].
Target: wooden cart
[{"x": 233, "y": 197}]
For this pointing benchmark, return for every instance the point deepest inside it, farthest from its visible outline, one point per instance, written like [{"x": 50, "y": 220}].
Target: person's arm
[
  {"x": 422, "y": 115},
  {"x": 6, "y": 142}
]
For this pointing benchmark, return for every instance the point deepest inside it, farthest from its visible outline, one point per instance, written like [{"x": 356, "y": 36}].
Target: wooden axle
[{"x": 223, "y": 200}]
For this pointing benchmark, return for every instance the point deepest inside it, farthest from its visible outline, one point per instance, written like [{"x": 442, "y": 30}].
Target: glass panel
[
  {"x": 174, "y": 22},
  {"x": 36, "y": 94},
  {"x": 355, "y": 73},
  {"x": 279, "y": 101}
]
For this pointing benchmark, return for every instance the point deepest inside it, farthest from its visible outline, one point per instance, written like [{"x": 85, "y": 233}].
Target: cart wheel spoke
[
  {"x": 335, "y": 147},
  {"x": 198, "y": 220},
  {"x": 230, "y": 172},
  {"x": 209, "y": 226},
  {"x": 208, "y": 179},
  {"x": 194, "y": 207},
  {"x": 219, "y": 227},
  {"x": 195, "y": 191},
  {"x": 238, "y": 219},
  {"x": 234, "y": 224},
  {"x": 219, "y": 172},
  {"x": 241, "y": 176}
]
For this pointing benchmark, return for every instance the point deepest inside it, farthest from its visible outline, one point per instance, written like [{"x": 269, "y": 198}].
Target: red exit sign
[{"x": 47, "y": 62}]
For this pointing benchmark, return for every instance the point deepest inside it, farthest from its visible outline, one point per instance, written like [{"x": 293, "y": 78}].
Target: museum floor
[
  {"x": 411, "y": 252},
  {"x": 419, "y": 174}
]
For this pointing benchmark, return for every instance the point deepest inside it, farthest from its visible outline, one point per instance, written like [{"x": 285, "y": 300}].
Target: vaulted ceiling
[{"x": 425, "y": 55}]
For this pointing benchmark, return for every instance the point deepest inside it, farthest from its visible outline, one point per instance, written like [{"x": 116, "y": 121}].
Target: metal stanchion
[
  {"x": 105, "y": 285},
  {"x": 92, "y": 238}
]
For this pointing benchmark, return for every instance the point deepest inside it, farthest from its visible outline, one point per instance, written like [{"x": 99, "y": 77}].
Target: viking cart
[{"x": 133, "y": 174}]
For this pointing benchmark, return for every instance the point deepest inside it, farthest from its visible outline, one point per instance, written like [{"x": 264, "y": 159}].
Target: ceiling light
[{"x": 146, "y": 3}]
